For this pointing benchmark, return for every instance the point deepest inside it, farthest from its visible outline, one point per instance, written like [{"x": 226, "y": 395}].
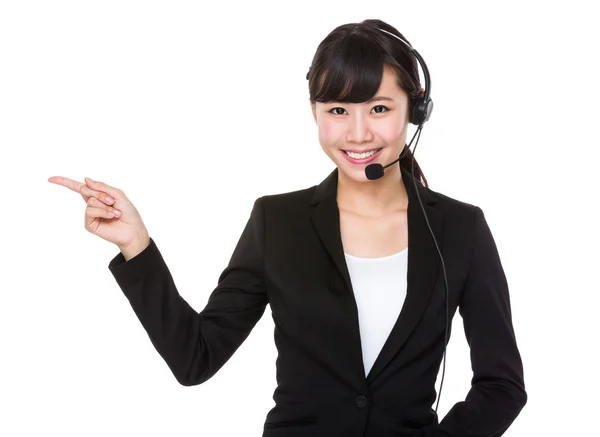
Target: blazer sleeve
[
  {"x": 196, "y": 345},
  {"x": 497, "y": 393}
]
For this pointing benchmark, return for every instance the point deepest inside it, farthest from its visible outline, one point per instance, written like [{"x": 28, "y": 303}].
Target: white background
[{"x": 195, "y": 111}]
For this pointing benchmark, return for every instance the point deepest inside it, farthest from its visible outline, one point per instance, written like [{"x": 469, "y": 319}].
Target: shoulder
[
  {"x": 464, "y": 221},
  {"x": 455, "y": 207},
  {"x": 290, "y": 202}
]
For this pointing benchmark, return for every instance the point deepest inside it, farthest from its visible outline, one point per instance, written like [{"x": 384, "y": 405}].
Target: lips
[
  {"x": 364, "y": 160},
  {"x": 359, "y": 151}
]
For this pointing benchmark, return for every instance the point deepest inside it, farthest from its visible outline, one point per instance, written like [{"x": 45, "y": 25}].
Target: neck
[{"x": 373, "y": 198}]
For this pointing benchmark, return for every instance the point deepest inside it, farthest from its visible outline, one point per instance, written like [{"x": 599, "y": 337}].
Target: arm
[
  {"x": 497, "y": 392},
  {"x": 196, "y": 345}
]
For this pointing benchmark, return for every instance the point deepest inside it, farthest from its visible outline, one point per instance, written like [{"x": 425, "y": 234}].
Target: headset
[
  {"x": 420, "y": 113},
  {"x": 422, "y": 106}
]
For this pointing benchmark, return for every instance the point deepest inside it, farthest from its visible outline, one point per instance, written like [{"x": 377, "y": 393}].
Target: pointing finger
[
  {"x": 66, "y": 182},
  {"x": 85, "y": 191}
]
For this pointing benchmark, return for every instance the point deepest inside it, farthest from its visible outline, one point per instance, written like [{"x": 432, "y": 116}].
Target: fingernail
[
  {"x": 109, "y": 199},
  {"x": 88, "y": 179}
]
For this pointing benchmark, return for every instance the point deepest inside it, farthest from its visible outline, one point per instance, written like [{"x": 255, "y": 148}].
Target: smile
[{"x": 361, "y": 158}]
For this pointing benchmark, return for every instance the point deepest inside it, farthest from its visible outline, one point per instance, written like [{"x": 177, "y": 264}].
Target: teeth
[{"x": 361, "y": 155}]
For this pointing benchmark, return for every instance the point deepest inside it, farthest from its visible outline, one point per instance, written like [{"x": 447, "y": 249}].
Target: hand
[{"x": 109, "y": 214}]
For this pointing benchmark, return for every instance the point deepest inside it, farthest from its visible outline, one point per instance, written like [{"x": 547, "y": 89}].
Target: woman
[{"x": 349, "y": 268}]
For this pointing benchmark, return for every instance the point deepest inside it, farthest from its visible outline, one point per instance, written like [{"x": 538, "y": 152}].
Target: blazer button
[{"x": 361, "y": 401}]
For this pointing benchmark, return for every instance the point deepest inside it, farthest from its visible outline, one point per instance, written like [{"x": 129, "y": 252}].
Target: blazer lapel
[
  {"x": 326, "y": 220},
  {"x": 423, "y": 264}
]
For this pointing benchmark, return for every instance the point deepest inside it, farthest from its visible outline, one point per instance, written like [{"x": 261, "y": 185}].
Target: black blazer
[{"x": 290, "y": 256}]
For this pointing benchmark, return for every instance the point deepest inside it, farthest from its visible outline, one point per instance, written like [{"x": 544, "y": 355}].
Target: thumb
[{"x": 101, "y": 186}]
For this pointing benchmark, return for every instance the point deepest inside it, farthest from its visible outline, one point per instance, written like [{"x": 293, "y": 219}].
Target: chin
[{"x": 355, "y": 174}]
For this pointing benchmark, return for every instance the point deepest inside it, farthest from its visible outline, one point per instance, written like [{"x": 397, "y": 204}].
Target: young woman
[{"x": 360, "y": 297}]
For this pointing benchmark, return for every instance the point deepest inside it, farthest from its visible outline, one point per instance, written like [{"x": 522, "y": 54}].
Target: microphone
[{"x": 375, "y": 171}]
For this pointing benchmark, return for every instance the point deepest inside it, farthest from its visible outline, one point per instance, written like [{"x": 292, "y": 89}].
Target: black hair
[{"x": 348, "y": 67}]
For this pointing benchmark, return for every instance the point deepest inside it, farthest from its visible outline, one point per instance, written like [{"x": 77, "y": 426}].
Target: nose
[{"x": 358, "y": 130}]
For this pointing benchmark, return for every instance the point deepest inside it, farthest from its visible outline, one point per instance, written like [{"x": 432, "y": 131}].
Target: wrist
[{"x": 135, "y": 247}]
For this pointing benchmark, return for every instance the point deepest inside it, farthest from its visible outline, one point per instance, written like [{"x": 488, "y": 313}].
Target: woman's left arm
[{"x": 497, "y": 393}]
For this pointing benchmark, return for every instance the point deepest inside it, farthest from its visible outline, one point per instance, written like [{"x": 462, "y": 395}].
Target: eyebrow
[
  {"x": 379, "y": 98},
  {"x": 373, "y": 99}
]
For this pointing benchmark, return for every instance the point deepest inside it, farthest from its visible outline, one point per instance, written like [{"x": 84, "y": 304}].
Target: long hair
[{"x": 348, "y": 67}]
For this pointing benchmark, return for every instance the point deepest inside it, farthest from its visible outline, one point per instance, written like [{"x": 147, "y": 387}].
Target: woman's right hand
[{"x": 115, "y": 220}]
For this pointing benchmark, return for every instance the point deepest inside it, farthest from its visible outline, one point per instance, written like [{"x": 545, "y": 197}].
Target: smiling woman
[
  {"x": 350, "y": 268},
  {"x": 359, "y": 71}
]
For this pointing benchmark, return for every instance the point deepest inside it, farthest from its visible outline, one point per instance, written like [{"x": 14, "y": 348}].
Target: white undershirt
[{"x": 379, "y": 286}]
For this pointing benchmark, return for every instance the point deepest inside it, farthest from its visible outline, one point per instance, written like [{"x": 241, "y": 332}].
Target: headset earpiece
[{"x": 421, "y": 110}]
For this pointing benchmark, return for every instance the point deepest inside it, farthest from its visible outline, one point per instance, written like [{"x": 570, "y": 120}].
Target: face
[{"x": 355, "y": 135}]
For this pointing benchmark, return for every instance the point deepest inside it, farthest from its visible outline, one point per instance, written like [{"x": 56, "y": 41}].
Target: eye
[
  {"x": 334, "y": 110},
  {"x": 381, "y": 106}
]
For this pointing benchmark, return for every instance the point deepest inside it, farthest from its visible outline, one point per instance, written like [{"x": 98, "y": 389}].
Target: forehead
[
  {"x": 387, "y": 88},
  {"x": 357, "y": 84},
  {"x": 389, "y": 83}
]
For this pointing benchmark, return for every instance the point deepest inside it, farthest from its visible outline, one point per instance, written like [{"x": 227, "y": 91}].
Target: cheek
[
  {"x": 328, "y": 134},
  {"x": 391, "y": 131}
]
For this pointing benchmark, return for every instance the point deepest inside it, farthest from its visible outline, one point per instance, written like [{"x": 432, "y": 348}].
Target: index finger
[{"x": 66, "y": 182}]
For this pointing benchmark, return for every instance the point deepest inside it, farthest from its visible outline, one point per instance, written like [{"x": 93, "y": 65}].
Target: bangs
[{"x": 353, "y": 72}]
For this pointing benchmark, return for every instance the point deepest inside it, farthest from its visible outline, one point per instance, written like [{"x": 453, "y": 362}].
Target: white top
[{"x": 379, "y": 286}]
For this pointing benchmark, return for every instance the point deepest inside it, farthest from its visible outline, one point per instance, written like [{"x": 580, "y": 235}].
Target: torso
[{"x": 367, "y": 237}]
